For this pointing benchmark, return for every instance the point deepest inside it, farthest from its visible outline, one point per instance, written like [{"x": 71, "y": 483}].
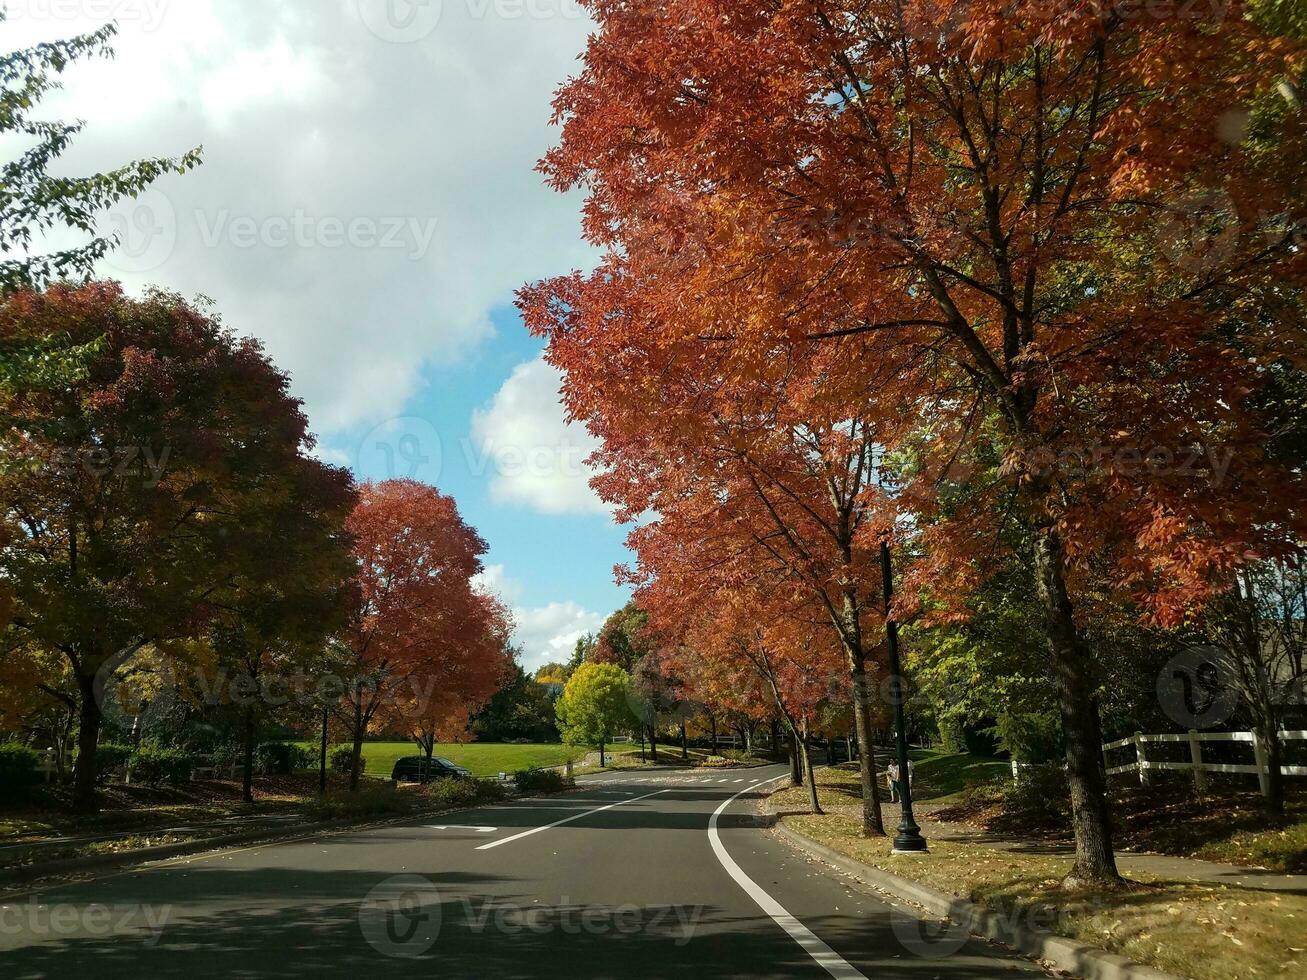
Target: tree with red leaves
[
  {"x": 141, "y": 482},
  {"x": 416, "y": 621},
  {"x": 1053, "y": 236}
]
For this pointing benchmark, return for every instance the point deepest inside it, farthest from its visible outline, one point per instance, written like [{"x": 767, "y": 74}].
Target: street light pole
[{"x": 908, "y": 840}]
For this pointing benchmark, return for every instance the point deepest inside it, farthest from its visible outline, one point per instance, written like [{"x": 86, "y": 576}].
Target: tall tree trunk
[
  {"x": 653, "y": 743},
  {"x": 357, "y": 747},
  {"x": 1095, "y": 862},
  {"x": 1268, "y": 730},
  {"x": 872, "y": 824},
  {"x": 601, "y": 753},
  {"x": 775, "y": 736},
  {"x": 247, "y": 744},
  {"x": 806, "y": 747},
  {"x": 685, "y": 744},
  {"x": 748, "y": 740},
  {"x": 85, "y": 799},
  {"x": 712, "y": 722},
  {"x": 796, "y": 763}
]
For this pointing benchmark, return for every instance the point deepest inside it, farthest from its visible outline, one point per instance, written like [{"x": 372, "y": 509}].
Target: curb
[
  {"x": 27, "y": 874},
  {"x": 1066, "y": 955}
]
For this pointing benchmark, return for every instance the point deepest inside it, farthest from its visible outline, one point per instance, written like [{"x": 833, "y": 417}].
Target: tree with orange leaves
[
  {"x": 756, "y": 469},
  {"x": 454, "y": 677},
  {"x": 1051, "y": 233},
  {"x": 759, "y": 647},
  {"x": 416, "y": 624}
]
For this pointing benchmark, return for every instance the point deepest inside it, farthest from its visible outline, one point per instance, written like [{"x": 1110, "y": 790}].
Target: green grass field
[
  {"x": 940, "y": 775},
  {"x": 483, "y": 758}
]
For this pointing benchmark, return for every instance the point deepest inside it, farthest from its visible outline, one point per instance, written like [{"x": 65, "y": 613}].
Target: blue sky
[
  {"x": 541, "y": 557},
  {"x": 367, "y": 207}
]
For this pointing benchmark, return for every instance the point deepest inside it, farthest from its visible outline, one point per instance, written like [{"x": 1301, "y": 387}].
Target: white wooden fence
[{"x": 1145, "y": 766}]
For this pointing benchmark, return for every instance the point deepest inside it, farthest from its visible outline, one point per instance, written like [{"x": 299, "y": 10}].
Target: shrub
[
  {"x": 153, "y": 765},
  {"x": 742, "y": 757},
  {"x": 462, "y": 792},
  {"x": 717, "y": 762},
  {"x": 341, "y": 759},
  {"x": 543, "y": 781},
  {"x": 18, "y": 766},
  {"x": 1040, "y": 799},
  {"x": 281, "y": 757},
  {"x": 111, "y": 757}
]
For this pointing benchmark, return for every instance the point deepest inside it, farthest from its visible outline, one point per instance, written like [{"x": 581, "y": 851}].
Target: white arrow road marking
[
  {"x": 559, "y": 823},
  {"x": 831, "y": 961},
  {"x": 459, "y": 826}
]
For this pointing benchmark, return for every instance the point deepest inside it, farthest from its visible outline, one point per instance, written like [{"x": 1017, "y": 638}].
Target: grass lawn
[
  {"x": 1204, "y": 931},
  {"x": 939, "y": 777},
  {"x": 483, "y": 758},
  {"x": 943, "y": 775},
  {"x": 627, "y": 756}
]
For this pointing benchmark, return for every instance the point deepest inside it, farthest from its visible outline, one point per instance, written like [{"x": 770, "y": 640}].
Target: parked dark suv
[{"x": 415, "y": 769}]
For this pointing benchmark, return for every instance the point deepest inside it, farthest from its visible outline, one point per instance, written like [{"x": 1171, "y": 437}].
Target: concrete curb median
[{"x": 1066, "y": 955}]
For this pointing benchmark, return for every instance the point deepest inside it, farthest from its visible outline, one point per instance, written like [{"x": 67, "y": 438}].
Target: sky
[{"x": 367, "y": 206}]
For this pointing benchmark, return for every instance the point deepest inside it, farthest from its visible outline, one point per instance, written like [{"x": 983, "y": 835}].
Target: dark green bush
[
  {"x": 341, "y": 759},
  {"x": 543, "y": 781},
  {"x": 154, "y": 765},
  {"x": 462, "y": 792},
  {"x": 111, "y": 757},
  {"x": 279, "y": 758},
  {"x": 18, "y": 765},
  {"x": 1039, "y": 799}
]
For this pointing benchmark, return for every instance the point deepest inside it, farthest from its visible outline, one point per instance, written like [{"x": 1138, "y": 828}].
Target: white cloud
[
  {"x": 493, "y": 579},
  {"x": 545, "y": 633},
  {"x": 304, "y": 110},
  {"x": 548, "y": 633},
  {"x": 539, "y": 457}
]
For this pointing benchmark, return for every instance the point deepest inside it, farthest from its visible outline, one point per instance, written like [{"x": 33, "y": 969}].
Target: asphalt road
[{"x": 634, "y": 875}]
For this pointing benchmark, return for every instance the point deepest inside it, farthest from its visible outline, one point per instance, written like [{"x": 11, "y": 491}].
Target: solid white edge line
[
  {"x": 559, "y": 823},
  {"x": 825, "y": 957}
]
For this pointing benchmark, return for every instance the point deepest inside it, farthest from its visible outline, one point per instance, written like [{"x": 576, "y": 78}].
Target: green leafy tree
[
  {"x": 595, "y": 706},
  {"x": 32, "y": 199},
  {"x": 623, "y": 639},
  {"x": 521, "y": 709},
  {"x": 272, "y": 618}
]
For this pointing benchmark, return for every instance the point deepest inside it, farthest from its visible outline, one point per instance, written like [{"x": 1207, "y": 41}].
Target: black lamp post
[{"x": 908, "y": 840}]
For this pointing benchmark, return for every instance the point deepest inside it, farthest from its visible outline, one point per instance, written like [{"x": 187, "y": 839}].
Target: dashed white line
[
  {"x": 831, "y": 961},
  {"x": 559, "y": 823}
]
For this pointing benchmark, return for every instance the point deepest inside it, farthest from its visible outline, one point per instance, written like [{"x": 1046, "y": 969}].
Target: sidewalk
[{"x": 1129, "y": 863}]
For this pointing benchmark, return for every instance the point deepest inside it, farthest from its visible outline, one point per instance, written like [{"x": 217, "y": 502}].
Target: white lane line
[
  {"x": 739, "y": 780},
  {"x": 825, "y": 957},
  {"x": 559, "y": 823}
]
